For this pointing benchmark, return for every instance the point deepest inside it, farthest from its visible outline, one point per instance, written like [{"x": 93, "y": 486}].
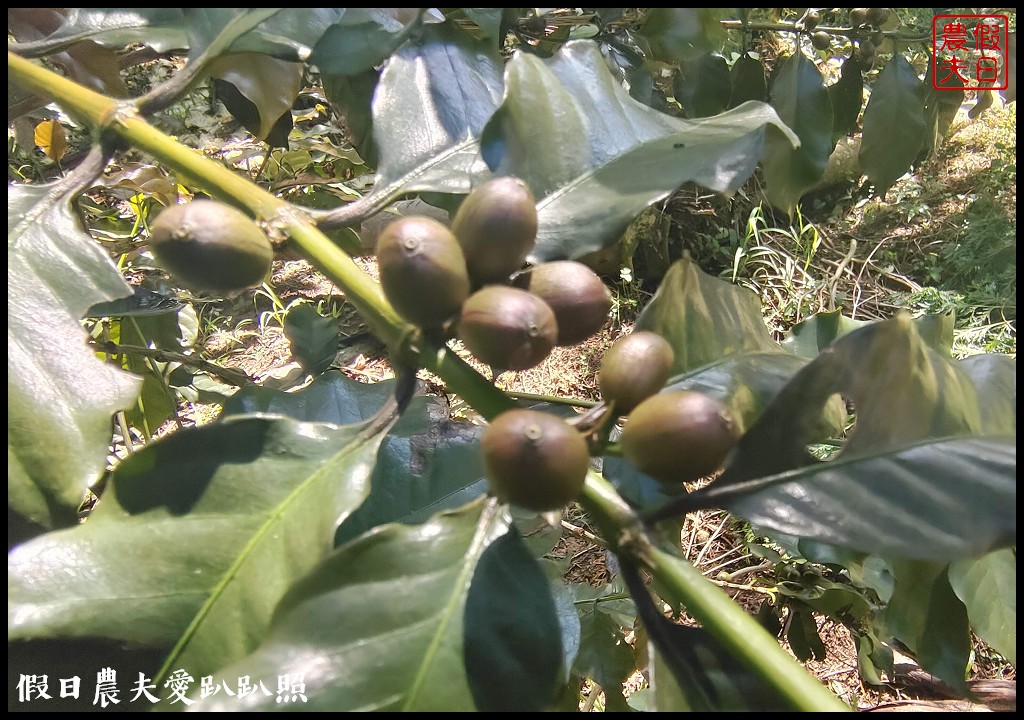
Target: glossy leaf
[
  {"x": 187, "y": 548},
  {"x": 703, "y": 318},
  {"x": 333, "y": 398},
  {"x": 313, "y": 338},
  {"x": 627, "y": 65},
  {"x": 379, "y": 624},
  {"x": 847, "y": 96},
  {"x": 361, "y": 38},
  {"x": 747, "y": 80},
  {"x": 437, "y": 469},
  {"x": 913, "y": 479},
  {"x": 703, "y": 86},
  {"x": 631, "y": 155},
  {"x": 926, "y": 616},
  {"x": 799, "y": 96},
  {"x": 894, "y": 124},
  {"x": 512, "y": 637},
  {"x": 60, "y": 396},
  {"x": 160, "y": 28},
  {"x": 988, "y": 588},
  {"x": 431, "y": 104}
]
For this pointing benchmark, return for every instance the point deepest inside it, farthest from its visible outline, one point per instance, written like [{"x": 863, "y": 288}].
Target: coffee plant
[{"x": 351, "y": 546}]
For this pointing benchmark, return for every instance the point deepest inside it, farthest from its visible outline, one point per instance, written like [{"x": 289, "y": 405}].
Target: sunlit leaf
[
  {"x": 379, "y": 624},
  {"x": 988, "y": 588},
  {"x": 196, "y": 540},
  {"x": 51, "y": 139},
  {"x": 60, "y": 396}
]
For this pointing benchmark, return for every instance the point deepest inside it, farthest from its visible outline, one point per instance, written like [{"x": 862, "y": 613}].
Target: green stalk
[{"x": 120, "y": 123}]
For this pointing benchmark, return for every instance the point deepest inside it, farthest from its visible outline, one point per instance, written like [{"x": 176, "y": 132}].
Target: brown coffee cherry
[
  {"x": 821, "y": 40},
  {"x": 811, "y": 19},
  {"x": 507, "y": 328},
  {"x": 211, "y": 247},
  {"x": 578, "y": 297},
  {"x": 858, "y": 16},
  {"x": 496, "y": 226},
  {"x": 422, "y": 270},
  {"x": 678, "y": 437},
  {"x": 634, "y": 368},
  {"x": 534, "y": 460}
]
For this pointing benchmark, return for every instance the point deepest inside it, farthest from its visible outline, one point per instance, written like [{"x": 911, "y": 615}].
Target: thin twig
[
  {"x": 229, "y": 375},
  {"x": 584, "y": 534}
]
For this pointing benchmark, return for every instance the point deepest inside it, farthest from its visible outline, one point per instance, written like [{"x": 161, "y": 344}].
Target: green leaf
[
  {"x": 847, "y": 96},
  {"x": 487, "y": 19},
  {"x": 431, "y": 103},
  {"x": 361, "y": 38},
  {"x": 799, "y": 96},
  {"x": 809, "y": 337},
  {"x": 353, "y": 94},
  {"x": 677, "y": 34},
  {"x": 803, "y": 638},
  {"x": 894, "y": 124},
  {"x": 995, "y": 377},
  {"x": 747, "y": 80},
  {"x": 703, "y": 86},
  {"x": 627, "y": 65},
  {"x": 914, "y": 478},
  {"x": 196, "y": 540},
  {"x": 160, "y": 28},
  {"x": 512, "y": 636},
  {"x": 703, "y": 318},
  {"x": 60, "y": 396},
  {"x": 926, "y": 616},
  {"x": 331, "y": 398},
  {"x": 417, "y": 476},
  {"x": 988, "y": 588},
  {"x": 313, "y": 338},
  {"x": 261, "y": 90},
  {"x": 604, "y": 654},
  {"x": 379, "y": 624},
  {"x": 631, "y": 155}
]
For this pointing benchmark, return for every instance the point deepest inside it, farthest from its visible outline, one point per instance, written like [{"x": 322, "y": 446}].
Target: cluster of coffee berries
[
  {"x": 211, "y": 247},
  {"x": 676, "y": 436},
  {"x": 471, "y": 279}
]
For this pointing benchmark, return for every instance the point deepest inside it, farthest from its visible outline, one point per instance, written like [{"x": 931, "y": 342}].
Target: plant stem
[{"x": 728, "y": 622}]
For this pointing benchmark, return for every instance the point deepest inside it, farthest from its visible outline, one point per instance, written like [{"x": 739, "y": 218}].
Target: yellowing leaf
[{"x": 51, "y": 139}]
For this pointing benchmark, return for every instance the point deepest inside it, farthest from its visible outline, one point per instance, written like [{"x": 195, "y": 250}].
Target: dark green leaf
[
  {"x": 627, "y": 65},
  {"x": 431, "y": 104},
  {"x": 379, "y": 624},
  {"x": 161, "y": 28},
  {"x": 803, "y": 638},
  {"x": 704, "y": 319},
  {"x": 847, "y": 96},
  {"x": 421, "y": 475},
  {"x": 641, "y": 491},
  {"x": 912, "y": 479},
  {"x": 988, "y": 588},
  {"x": 748, "y": 81},
  {"x": 926, "y": 616},
  {"x": 331, "y": 398},
  {"x": 690, "y": 670},
  {"x": 487, "y": 19},
  {"x": 703, "y": 86},
  {"x": 258, "y": 90},
  {"x": 60, "y": 396},
  {"x": 191, "y": 535},
  {"x": 799, "y": 96},
  {"x": 677, "y": 34},
  {"x": 894, "y": 125},
  {"x": 512, "y": 637},
  {"x": 809, "y": 337},
  {"x": 361, "y": 38},
  {"x": 632, "y": 155},
  {"x": 353, "y": 94},
  {"x": 313, "y": 338}
]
